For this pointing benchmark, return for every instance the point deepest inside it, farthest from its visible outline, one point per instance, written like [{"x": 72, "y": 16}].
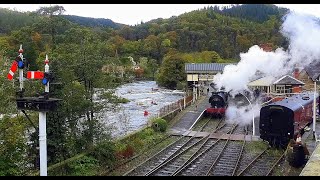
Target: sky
[{"x": 132, "y": 14}]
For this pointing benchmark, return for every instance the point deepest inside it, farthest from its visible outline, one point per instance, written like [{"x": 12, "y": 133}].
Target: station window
[{"x": 280, "y": 89}]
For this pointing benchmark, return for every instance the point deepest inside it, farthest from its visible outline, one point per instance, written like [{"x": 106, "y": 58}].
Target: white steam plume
[
  {"x": 243, "y": 115},
  {"x": 236, "y": 77},
  {"x": 303, "y": 33}
]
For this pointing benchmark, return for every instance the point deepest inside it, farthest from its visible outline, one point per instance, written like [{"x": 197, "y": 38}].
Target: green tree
[
  {"x": 171, "y": 71},
  {"x": 13, "y": 146},
  {"x": 51, "y": 21}
]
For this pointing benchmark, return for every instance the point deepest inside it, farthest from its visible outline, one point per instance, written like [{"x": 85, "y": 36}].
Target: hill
[
  {"x": 227, "y": 31},
  {"x": 253, "y": 12},
  {"x": 92, "y": 22}
]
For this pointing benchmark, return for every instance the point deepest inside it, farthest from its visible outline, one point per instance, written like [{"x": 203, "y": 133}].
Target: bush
[
  {"x": 105, "y": 153},
  {"x": 181, "y": 85},
  {"x": 86, "y": 166},
  {"x": 159, "y": 125},
  {"x": 125, "y": 152}
]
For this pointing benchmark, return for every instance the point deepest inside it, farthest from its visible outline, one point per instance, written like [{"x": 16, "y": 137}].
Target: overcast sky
[{"x": 132, "y": 14}]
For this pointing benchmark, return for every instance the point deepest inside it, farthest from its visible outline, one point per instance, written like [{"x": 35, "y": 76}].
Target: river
[{"x": 143, "y": 96}]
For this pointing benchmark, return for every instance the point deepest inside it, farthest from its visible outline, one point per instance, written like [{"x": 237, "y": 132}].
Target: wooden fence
[{"x": 178, "y": 105}]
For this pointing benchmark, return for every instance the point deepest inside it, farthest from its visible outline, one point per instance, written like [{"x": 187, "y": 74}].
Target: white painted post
[
  {"x": 46, "y": 69},
  {"x": 314, "y": 109},
  {"x": 43, "y": 130},
  {"x": 194, "y": 89},
  {"x": 253, "y": 125},
  {"x": 43, "y": 143},
  {"x": 21, "y": 70}
]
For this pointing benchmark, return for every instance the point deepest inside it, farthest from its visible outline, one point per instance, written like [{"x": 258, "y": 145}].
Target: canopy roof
[{"x": 265, "y": 81}]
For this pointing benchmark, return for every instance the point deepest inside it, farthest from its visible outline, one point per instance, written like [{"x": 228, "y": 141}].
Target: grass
[
  {"x": 256, "y": 146},
  {"x": 149, "y": 152},
  {"x": 122, "y": 100}
]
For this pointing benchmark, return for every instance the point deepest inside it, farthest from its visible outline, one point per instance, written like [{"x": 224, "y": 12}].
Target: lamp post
[
  {"x": 253, "y": 126},
  {"x": 193, "y": 90},
  {"x": 314, "y": 108}
]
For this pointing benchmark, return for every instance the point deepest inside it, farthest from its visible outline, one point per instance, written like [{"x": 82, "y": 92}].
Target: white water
[{"x": 130, "y": 117}]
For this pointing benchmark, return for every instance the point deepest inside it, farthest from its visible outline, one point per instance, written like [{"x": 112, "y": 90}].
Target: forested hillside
[
  {"x": 253, "y": 12},
  {"x": 87, "y": 53},
  {"x": 93, "y": 22}
]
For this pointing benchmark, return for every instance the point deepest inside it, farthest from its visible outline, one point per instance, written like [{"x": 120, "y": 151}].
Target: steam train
[
  {"x": 219, "y": 101},
  {"x": 218, "y": 104},
  {"x": 284, "y": 120}
]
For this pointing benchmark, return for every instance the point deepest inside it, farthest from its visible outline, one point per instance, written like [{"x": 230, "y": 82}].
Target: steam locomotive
[
  {"x": 219, "y": 103},
  {"x": 284, "y": 120},
  {"x": 220, "y": 100}
]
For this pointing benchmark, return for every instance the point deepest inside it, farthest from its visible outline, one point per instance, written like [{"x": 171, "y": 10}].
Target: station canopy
[{"x": 265, "y": 81}]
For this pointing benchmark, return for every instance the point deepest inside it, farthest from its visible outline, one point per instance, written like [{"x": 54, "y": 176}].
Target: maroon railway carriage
[{"x": 284, "y": 120}]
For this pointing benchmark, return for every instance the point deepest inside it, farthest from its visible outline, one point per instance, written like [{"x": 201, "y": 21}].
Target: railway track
[
  {"x": 263, "y": 164},
  {"x": 215, "y": 160},
  {"x": 181, "y": 145},
  {"x": 227, "y": 161},
  {"x": 211, "y": 125},
  {"x": 172, "y": 165}
]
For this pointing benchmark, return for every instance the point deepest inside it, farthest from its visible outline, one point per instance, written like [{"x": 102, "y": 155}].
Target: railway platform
[
  {"x": 190, "y": 116},
  {"x": 312, "y": 168}
]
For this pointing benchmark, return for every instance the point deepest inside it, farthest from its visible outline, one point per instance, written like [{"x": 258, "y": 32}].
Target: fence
[{"x": 180, "y": 104}]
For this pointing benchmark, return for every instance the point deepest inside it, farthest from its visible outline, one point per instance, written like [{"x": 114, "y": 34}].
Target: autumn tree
[{"x": 171, "y": 71}]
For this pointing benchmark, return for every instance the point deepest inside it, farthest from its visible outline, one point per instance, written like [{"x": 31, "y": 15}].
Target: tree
[
  {"x": 152, "y": 47},
  {"x": 171, "y": 71},
  {"x": 51, "y": 21},
  {"x": 13, "y": 147}
]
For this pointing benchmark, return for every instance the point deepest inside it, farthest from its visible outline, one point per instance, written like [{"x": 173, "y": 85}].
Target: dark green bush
[
  {"x": 159, "y": 125},
  {"x": 86, "y": 166},
  {"x": 105, "y": 153}
]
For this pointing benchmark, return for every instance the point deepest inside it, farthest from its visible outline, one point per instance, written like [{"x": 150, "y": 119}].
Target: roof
[
  {"x": 288, "y": 80},
  {"x": 313, "y": 70},
  {"x": 205, "y": 67},
  {"x": 295, "y": 102},
  {"x": 265, "y": 81}
]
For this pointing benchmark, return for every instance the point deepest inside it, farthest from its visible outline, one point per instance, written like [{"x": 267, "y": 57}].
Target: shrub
[
  {"x": 126, "y": 152},
  {"x": 105, "y": 153},
  {"x": 86, "y": 166},
  {"x": 159, "y": 125}
]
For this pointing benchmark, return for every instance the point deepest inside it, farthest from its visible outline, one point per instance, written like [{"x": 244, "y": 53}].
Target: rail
[{"x": 155, "y": 156}]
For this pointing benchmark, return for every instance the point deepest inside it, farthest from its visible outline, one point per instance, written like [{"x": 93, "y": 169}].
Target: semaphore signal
[
  {"x": 12, "y": 70},
  {"x": 42, "y": 104}
]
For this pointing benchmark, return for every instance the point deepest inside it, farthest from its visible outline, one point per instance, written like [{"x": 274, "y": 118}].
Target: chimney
[
  {"x": 296, "y": 72},
  {"x": 267, "y": 47}
]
